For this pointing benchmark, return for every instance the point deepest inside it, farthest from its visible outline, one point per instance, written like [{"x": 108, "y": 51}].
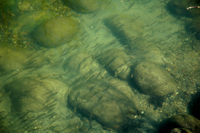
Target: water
[{"x": 118, "y": 66}]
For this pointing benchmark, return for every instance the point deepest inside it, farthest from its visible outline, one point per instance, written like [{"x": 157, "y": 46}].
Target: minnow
[{"x": 191, "y": 7}]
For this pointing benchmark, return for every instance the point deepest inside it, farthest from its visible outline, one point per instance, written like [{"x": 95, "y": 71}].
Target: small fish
[{"x": 191, "y": 7}]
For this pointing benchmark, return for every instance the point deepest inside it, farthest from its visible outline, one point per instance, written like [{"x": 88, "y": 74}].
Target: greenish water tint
[{"x": 96, "y": 66}]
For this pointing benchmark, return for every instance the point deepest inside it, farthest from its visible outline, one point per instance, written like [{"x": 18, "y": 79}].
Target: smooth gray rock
[{"x": 153, "y": 80}]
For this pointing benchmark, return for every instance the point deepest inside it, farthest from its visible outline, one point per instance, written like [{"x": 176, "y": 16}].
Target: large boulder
[
  {"x": 15, "y": 59},
  {"x": 39, "y": 103},
  {"x": 34, "y": 94},
  {"x": 84, "y": 6},
  {"x": 127, "y": 28},
  {"x": 153, "y": 80},
  {"x": 117, "y": 62},
  {"x": 12, "y": 59},
  {"x": 56, "y": 31},
  {"x": 181, "y": 123},
  {"x": 110, "y": 105}
]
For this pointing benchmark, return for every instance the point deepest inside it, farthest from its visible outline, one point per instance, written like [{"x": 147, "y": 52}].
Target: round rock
[
  {"x": 84, "y": 6},
  {"x": 56, "y": 31},
  {"x": 153, "y": 80}
]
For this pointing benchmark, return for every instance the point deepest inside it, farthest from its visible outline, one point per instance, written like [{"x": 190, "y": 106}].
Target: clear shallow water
[{"x": 92, "y": 82}]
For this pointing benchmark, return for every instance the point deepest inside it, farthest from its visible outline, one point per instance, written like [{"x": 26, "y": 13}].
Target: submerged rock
[
  {"x": 179, "y": 8},
  {"x": 34, "y": 94},
  {"x": 80, "y": 62},
  {"x": 28, "y": 21},
  {"x": 56, "y": 31},
  {"x": 127, "y": 28},
  {"x": 153, "y": 80},
  {"x": 117, "y": 62},
  {"x": 110, "y": 105},
  {"x": 84, "y": 6},
  {"x": 181, "y": 123},
  {"x": 40, "y": 104},
  {"x": 12, "y": 58}
]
